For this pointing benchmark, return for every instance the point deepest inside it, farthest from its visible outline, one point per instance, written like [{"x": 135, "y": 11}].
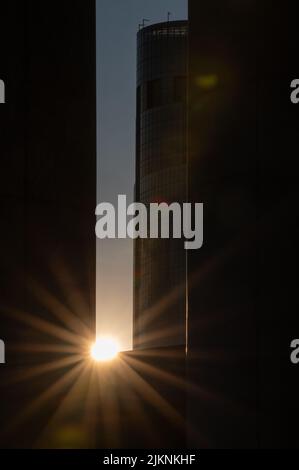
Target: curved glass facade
[{"x": 161, "y": 150}]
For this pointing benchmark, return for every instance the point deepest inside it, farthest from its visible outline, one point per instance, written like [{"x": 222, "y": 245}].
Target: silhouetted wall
[
  {"x": 48, "y": 197},
  {"x": 242, "y": 165}
]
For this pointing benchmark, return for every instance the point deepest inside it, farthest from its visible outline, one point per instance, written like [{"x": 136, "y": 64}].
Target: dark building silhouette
[
  {"x": 243, "y": 302},
  {"x": 47, "y": 196},
  {"x": 222, "y": 337},
  {"x": 161, "y": 151}
]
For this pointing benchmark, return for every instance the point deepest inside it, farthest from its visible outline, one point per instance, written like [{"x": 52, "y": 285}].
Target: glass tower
[{"x": 161, "y": 150}]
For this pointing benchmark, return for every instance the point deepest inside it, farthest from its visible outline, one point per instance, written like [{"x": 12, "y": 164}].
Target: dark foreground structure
[
  {"x": 243, "y": 302},
  {"x": 48, "y": 196}
]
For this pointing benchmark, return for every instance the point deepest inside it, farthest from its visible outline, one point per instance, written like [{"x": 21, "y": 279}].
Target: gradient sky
[{"x": 117, "y": 25}]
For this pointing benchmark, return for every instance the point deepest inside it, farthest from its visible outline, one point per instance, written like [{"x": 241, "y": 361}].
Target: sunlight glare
[{"x": 104, "y": 349}]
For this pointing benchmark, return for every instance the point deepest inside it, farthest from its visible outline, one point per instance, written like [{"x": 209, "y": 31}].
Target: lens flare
[{"x": 104, "y": 349}]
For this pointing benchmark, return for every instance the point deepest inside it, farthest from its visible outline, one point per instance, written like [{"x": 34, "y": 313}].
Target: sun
[{"x": 104, "y": 349}]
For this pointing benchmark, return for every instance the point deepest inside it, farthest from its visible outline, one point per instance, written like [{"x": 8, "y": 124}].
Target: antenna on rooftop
[
  {"x": 142, "y": 25},
  {"x": 144, "y": 21},
  {"x": 169, "y": 14}
]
